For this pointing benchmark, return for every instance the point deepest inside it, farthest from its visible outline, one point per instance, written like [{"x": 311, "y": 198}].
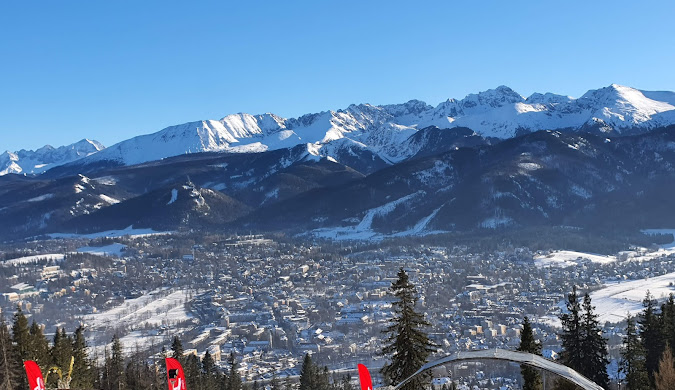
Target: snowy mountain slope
[
  {"x": 543, "y": 178},
  {"x": 382, "y": 131},
  {"x": 455, "y": 180},
  {"x": 47, "y": 157}
]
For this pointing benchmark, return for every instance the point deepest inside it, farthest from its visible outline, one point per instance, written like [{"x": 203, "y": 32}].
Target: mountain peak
[
  {"x": 384, "y": 130},
  {"x": 46, "y": 157},
  {"x": 492, "y": 98}
]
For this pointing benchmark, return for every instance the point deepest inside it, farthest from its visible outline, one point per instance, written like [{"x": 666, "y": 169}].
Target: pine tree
[
  {"x": 594, "y": 346},
  {"x": 408, "y": 345},
  {"x": 114, "y": 366},
  {"x": 38, "y": 347},
  {"x": 633, "y": 358},
  {"x": 21, "y": 335},
  {"x": 531, "y": 378},
  {"x": 664, "y": 379},
  {"x": 9, "y": 368},
  {"x": 21, "y": 343},
  {"x": 83, "y": 372},
  {"x": 651, "y": 335},
  {"x": 571, "y": 354},
  {"x": 210, "y": 374},
  {"x": 234, "y": 378},
  {"x": 308, "y": 374},
  {"x": 668, "y": 322},
  {"x": 192, "y": 368},
  {"x": 62, "y": 351},
  {"x": 177, "y": 349}
]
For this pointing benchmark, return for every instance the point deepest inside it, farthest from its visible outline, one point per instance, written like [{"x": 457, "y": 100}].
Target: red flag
[
  {"x": 34, "y": 374},
  {"x": 364, "y": 377},
  {"x": 174, "y": 374}
]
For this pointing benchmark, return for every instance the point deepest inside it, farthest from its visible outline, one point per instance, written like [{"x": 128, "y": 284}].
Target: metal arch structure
[{"x": 511, "y": 356}]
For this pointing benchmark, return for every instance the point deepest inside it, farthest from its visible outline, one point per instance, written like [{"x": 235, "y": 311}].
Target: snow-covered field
[
  {"x": 129, "y": 231},
  {"x": 31, "y": 259},
  {"x": 115, "y": 249},
  {"x": 564, "y": 259},
  {"x": 617, "y": 299},
  {"x": 129, "y": 320},
  {"x": 159, "y": 307}
]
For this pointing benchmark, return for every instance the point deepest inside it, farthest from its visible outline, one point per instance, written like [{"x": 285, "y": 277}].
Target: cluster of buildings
[{"x": 267, "y": 301}]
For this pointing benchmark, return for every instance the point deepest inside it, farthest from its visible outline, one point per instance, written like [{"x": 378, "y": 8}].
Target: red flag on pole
[
  {"x": 34, "y": 374},
  {"x": 174, "y": 374},
  {"x": 364, "y": 378}
]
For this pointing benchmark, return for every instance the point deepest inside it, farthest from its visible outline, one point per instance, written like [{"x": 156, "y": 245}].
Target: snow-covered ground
[
  {"x": 128, "y": 231},
  {"x": 154, "y": 309},
  {"x": 158, "y": 307},
  {"x": 564, "y": 259},
  {"x": 364, "y": 231},
  {"x": 115, "y": 249},
  {"x": 617, "y": 299},
  {"x": 31, "y": 259}
]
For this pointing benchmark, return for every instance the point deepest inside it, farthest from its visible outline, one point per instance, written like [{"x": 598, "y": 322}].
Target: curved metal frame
[{"x": 511, "y": 356}]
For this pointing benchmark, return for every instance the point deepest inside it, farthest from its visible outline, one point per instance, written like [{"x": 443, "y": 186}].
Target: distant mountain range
[
  {"x": 490, "y": 160},
  {"x": 382, "y": 131},
  {"x": 45, "y": 158}
]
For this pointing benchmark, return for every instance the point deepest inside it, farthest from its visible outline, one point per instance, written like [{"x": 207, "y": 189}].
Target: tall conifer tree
[
  {"x": 531, "y": 378},
  {"x": 651, "y": 333},
  {"x": 114, "y": 366},
  {"x": 633, "y": 358},
  {"x": 571, "y": 354},
  {"x": 408, "y": 345},
  {"x": 193, "y": 372},
  {"x": 234, "y": 377},
  {"x": 594, "y": 346},
  {"x": 83, "y": 372},
  {"x": 210, "y": 374},
  {"x": 177, "y": 349},
  {"x": 9, "y": 367}
]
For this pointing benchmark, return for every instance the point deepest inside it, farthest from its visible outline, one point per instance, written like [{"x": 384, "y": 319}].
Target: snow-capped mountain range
[
  {"x": 385, "y": 131},
  {"x": 47, "y": 157}
]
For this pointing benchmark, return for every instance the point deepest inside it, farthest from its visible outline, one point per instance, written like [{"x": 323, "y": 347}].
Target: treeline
[
  {"x": 26, "y": 342},
  {"x": 649, "y": 346},
  {"x": 119, "y": 372}
]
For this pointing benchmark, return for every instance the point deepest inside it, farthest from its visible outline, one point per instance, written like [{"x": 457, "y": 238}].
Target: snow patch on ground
[
  {"x": 115, "y": 249},
  {"x": 174, "y": 196},
  {"x": 529, "y": 166},
  {"x": 493, "y": 223},
  {"x": 106, "y": 180},
  {"x": 41, "y": 198},
  {"x": 157, "y": 307},
  {"x": 108, "y": 199},
  {"x": 614, "y": 301},
  {"x": 31, "y": 259},
  {"x": 128, "y": 231},
  {"x": 363, "y": 230},
  {"x": 563, "y": 259}
]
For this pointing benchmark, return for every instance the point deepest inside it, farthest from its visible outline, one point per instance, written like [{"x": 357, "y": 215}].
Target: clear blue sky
[{"x": 110, "y": 70}]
